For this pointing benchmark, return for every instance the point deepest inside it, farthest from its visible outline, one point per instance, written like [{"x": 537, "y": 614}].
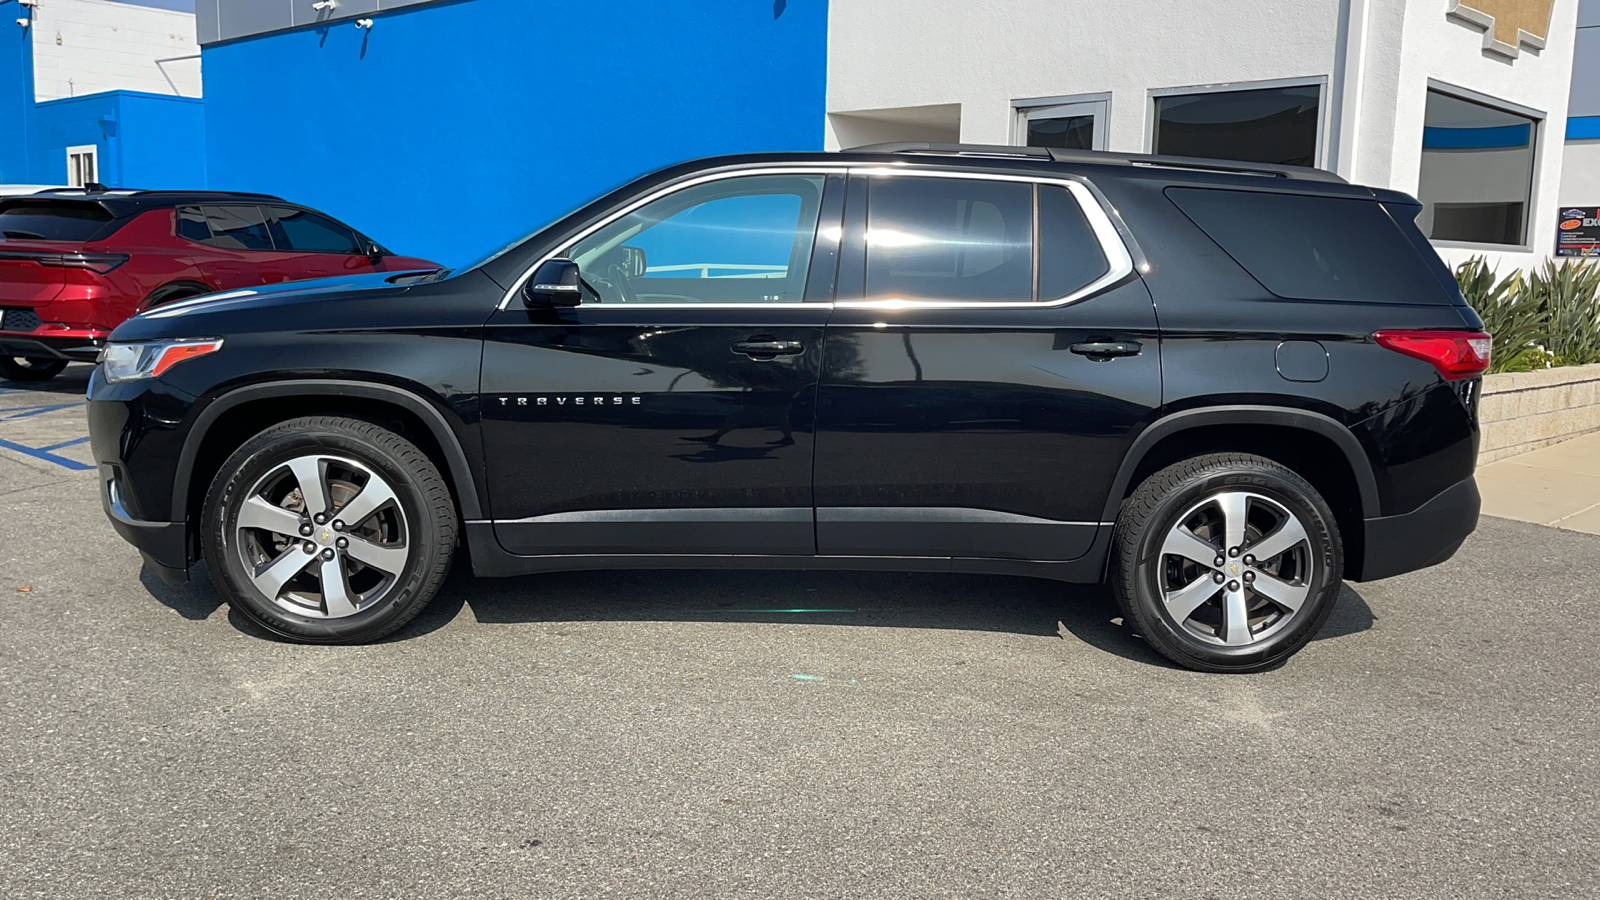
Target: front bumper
[
  {"x": 74, "y": 345},
  {"x": 1426, "y": 536},
  {"x": 163, "y": 544}
]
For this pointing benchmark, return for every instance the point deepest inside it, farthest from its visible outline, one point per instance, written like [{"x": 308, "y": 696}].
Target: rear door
[
  {"x": 991, "y": 356},
  {"x": 243, "y": 253}
]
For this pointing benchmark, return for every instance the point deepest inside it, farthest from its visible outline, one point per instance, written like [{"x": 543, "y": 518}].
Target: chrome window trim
[{"x": 1119, "y": 258}]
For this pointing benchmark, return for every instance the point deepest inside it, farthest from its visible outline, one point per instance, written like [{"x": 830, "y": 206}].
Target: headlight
[{"x": 130, "y": 362}]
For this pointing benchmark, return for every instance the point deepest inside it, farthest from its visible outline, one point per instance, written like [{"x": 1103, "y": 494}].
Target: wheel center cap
[
  {"x": 325, "y": 536},
  {"x": 1233, "y": 568}
]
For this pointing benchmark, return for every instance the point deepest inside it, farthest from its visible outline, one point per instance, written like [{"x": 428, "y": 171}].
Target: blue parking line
[
  {"x": 82, "y": 440},
  {"x": 23, "y": 412},
  {"x": 47, "y": 456}
]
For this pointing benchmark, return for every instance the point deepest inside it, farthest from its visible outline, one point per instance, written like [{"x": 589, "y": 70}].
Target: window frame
[
  {"x": 91, "y": 152},
  {"x": 275, "y": 228},
  {"x": 1537, "y": 138},
  {"x": 1324, "y": 111},
  {"x": 266, "y": 223},
  {"x": 1116, "y": 242},
  {"x": 1097, "y": 106}
]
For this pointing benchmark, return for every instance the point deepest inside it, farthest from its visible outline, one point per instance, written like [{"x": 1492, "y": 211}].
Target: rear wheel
[
  {"x": 30, "y": 368},
  {"x": 1227, "y": 562},
  {"x": 329, "y": 530}
]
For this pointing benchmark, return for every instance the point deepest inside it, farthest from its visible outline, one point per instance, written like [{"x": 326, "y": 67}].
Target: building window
[
  {"x": 82, "y": 165},
  {"x": 1476, "y": 180},
  {"x": 1279, "y": 125},
  {"x": 1076, "y": 125}
]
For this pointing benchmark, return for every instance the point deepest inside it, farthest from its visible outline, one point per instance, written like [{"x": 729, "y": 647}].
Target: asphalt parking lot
[{"x": 776, "y": 735}]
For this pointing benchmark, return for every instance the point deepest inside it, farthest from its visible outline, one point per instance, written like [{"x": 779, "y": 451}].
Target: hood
[{"x": 222, "y": 312}]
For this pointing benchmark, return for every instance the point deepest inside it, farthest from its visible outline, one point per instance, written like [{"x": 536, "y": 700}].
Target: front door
[
  {"x": 672, "y": 411},
  {"x": 991, "y": 358}
]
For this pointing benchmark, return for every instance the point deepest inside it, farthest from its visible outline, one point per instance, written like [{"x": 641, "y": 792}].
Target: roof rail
[
  {"x": 1103, "y": 158},
  {"x": 935, "y": 149}
]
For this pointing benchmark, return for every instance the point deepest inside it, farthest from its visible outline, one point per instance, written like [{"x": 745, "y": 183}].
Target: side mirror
[
  {"x": 633, "y": 261},
  {"x": 555, "y": 283},
  {"x": 375, "y": 253}
]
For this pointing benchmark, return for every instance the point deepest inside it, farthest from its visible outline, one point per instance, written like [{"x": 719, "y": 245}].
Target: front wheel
[
  {"x": 30, "y": 369},
  {"x": 1226, "y": 562},
  {"x": 329, "y": 530}
]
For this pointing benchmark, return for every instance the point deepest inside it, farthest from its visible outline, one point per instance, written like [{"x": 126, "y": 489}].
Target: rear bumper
[
  {"x": 1424, "y": 537},
  {"x": 78, "y": 346}
]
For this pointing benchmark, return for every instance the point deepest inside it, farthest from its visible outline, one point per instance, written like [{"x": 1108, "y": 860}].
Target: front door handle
[
  {"x": 764, "y": 350},
  {"x": 1107, "y": 349}
]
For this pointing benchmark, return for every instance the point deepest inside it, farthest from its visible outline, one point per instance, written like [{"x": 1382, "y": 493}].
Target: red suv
[{"x": 75, "y": 263}]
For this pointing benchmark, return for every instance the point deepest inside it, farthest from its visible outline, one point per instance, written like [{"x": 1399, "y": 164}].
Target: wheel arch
[
  {"x": 233, "y": 418},
  {"x": 179, "y": 289},
  {"x": 1315, "y": 446}
]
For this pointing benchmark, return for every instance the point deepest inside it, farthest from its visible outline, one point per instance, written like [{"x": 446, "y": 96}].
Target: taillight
[
  {"x": 95, "y": 262},
  {"x": 1456, "y": 354}
]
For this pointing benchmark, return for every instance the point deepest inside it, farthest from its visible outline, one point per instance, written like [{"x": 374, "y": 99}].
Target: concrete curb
[{"x": 1523, "y": 411}]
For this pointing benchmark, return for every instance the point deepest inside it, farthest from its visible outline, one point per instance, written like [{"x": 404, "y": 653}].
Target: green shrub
[
  {"x": 1567, "y": 294},
  {"x": 1519, "y": 322}
]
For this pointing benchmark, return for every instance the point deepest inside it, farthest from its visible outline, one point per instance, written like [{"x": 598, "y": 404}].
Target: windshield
[{"x": 35, "y": 221}]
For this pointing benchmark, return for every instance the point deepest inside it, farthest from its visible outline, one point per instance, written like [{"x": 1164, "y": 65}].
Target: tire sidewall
[
  {"x": 261, "y": 455},
  {"x": 1300, "y": 500}
]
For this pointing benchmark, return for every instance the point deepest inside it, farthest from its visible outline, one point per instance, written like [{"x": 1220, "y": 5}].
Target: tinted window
[
  {"x": 308, "y": 232},
  {"x": 237, "y": 227},
  {"x": 1314, "y": 248},
  {"x": 1070, "y": 256},
  {"x": 737, "y": 240},
  {"x": 949, "y": 239},
  {"x": 52, "y": 222},
  {"x": 192, "y": 225},
  {"x": 1272, "y": 125},
  {"x": 1477, "y": 172},
  {"x": 1066, "y": 132}
]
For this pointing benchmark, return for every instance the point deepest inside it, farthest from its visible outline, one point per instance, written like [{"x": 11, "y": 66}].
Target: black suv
[{"x": 1223, "y": 388}]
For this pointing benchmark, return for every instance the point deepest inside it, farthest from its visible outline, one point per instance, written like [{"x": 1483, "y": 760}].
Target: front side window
[
  {"x": 736, "y": 240},
  {"x": 1265, "y": 125},
  {"x": 1476, "y": 180},
  {"x": 949, "y": 239},
  {"x": 237, "y": 227},
  {"x": 307, "y": 232}
]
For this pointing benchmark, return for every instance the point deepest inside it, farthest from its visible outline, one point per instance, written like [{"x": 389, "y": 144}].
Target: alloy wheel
[
  {"x": 1236, "y": 569},
  {"x": 322, "y": 536}
]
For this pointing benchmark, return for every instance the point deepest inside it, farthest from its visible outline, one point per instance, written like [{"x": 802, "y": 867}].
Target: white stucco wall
[
  {"x": 1433, "y": 46},
  {"x": 1580, "y": 174},
  {"x": 901, "y": 53},
  {"x": 87, "y": 46}
]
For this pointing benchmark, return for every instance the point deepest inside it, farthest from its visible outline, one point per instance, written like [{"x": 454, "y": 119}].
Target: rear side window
[
  {"x": 949, "y": 239},
  {"x": 76, "y": 222},
  {"x": 307, "y": 232},
  {"x": 237, "y": 227},
  {"x": 192, "y": 225},
  {"x": 1314, "y": 248},
  {"x": 1070, "y": 256}
]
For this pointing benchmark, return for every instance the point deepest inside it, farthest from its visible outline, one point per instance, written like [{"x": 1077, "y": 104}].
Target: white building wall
[
  {"x": 909, "y": 53},
  {"x": 1580, "y": 174},
  {"x": 87, "y": 46},
  {"x": 1433, "y": 46}
]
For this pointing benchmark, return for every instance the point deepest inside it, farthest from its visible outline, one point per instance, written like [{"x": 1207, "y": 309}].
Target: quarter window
[
  {"x": 1265, "y": 125},
  {"x": 1070, "y": 256},
  {"x": 949, "y": 239},
  {"x": 307, "y": 232},
  {"x": 192, "y": 225},
  {"x": 736, "y": 240},
  {"x": 237, "y": 227},
  {"x": 1476, "y": 179}
]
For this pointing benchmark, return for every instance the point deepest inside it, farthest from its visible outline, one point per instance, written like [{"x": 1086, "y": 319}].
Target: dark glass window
[
  {"x": 1268, "y": 125},
  {"x": 949, "y": 239},
  {"x": 735, "y": 240},
  {"x": 1070, "y": 255},
  {"x": 35, "y": 221},
  {"x": 192, "y": 225},
  {"x": 238, "y": 227},
  {"x": 307, "y": 232},
  {"x": 1066, "y": 132},
  {"x": 1476, "y": 180},
  {"x": 1314, "y": 248}
]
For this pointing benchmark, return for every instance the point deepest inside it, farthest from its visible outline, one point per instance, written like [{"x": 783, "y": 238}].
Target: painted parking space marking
[{"x": 9, "y": 416}]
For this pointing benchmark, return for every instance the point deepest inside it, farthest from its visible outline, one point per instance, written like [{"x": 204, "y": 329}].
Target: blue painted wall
[
  {"x": 16, "y": 95},
  {"x": 144, "y": 140},
  {"x": 449, "y": 129}
]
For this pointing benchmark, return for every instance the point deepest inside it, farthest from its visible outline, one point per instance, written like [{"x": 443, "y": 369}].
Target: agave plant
[
  {"x": 1567, "y": 294},
  {"x": 1519, "y": 322}
]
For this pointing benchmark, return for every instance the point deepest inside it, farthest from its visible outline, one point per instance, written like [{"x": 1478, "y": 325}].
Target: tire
[
  {"x": 389, "y": 563},
  {"x": 1183, "y": 513},
  {"x": 30, "y": 369}
]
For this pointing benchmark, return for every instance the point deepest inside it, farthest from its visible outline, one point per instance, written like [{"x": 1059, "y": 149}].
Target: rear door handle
[
  {"x": 1107, "y": 349},
  {"x": 769, "y": 349}
]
